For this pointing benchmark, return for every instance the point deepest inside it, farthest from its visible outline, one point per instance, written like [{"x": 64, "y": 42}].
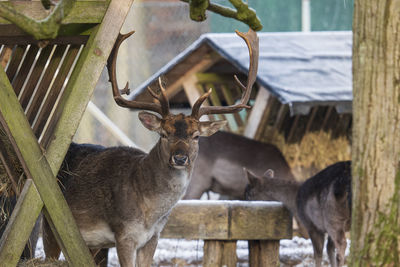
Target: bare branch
[{"x": 242, "y": 13}]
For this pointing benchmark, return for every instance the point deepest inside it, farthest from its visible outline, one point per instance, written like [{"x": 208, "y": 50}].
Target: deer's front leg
[
  {"x": 126, "y": 250},
  {"x": 146, "y": 253}
]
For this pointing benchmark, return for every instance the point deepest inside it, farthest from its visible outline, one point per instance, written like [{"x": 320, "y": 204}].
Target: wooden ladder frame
[{"x": 41, "y": 191}]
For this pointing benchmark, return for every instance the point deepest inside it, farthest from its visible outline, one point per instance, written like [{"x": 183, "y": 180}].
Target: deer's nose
[{"x": 180, "y": 159}]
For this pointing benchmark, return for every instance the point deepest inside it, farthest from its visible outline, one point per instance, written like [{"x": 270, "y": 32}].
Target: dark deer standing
[
  {"x": 219, "y": 165},
  {"x": 322, "y": 203},
  {"x": 122, "y": 196}
]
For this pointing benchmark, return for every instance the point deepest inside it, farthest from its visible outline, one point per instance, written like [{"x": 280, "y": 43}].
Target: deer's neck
[
  {"x": 284, "y": 191},
  {"x": 165, "y": 179}
]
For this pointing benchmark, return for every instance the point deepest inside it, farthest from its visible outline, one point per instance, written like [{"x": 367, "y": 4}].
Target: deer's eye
[
  {"x": 196, "y": 137},
  {"x": 163, "y": 135}
]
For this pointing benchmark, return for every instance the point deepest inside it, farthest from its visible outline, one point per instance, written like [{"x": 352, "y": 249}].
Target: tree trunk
[{"x": 375, "y": 232}]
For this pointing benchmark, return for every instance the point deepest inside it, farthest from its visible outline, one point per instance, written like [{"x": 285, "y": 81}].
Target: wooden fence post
[
  {"x": 263, "y": 253},
  {"x": 219, "y": 253}
]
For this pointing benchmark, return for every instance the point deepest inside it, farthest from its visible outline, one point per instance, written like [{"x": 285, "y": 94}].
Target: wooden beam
[
  {"x": 311, "y": 119},
  {"x": 260, "y": 112},
  {"x": 83, "y": 11},
  {"x": 190, "y": 219},
  {"x": 219, "y": 253},
  {"x": 293, "y": 128},
  {"x": 326, "y": 118},
  {"x": 283, "y": 110},
  {"x": 202, "y": 65},
  {"x": 36, "y": 167},
  {"x": 239, "y": 121},
  {"x": 193, "y": 92},
  {"x": 83, "y": 81},
  {"x": 264, "y": 253},
  {"x": 20, "y": 225}
]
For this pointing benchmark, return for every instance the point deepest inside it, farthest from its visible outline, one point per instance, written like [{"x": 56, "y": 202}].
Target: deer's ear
[
  {"x": 150, "y": 121},
  {"x": 269, "y": 173},
  {"x": 251, "y": 177},
  {"x": 208, "y": 128}
]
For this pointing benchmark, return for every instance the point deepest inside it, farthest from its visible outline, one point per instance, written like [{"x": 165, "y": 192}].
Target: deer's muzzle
[{"x": 179, "y": 160}]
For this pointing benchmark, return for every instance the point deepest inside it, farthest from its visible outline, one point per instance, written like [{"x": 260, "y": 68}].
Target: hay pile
[
  {"x": 6, "y": 188},
  {"x": 314, "y": 152}
]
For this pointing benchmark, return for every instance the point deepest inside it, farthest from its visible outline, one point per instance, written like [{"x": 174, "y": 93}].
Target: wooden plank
[
  {"x": 271, "y": 219},
  {"x": 328, "y": 114},
  {"x": 214, "y": 101},
  {"x": 45, "y": 83},
  {"x": 229, "y": 257},
  {"x": 263, "y": 253},
  {"x": 219, "y": 253},
  {"x": 260, "y": 112},
  {"x": 82, "y": 12},
  {"x": 11, "y": 35},
  {"x": 16, "y": 57},
  {"x": 35, "y": 76},
  {"x": 20, "y": 225},
  {"x": 5, "y": 55},
  {"x": 280, "y": 118},
  {"x": 50, "y": 101},
  {"x": 210, "y": 77},
  {"x": 36, "y": 167},
  {"x": 293, "y": 129},
  {"x": 311, "y": 119},
  {"x": 26, "y": 66},
  {"x": 193, "y": 91},
  {"x": 230, "y": 101},
  {"x": 203, "y": 64},
  {"x": 190, "y": 219},
  {"x": 83, "y": 80},
  {"x": 212, "y": 253}
]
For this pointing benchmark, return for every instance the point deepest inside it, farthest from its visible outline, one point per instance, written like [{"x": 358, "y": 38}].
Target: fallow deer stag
[{"x": 122, "y": 196}]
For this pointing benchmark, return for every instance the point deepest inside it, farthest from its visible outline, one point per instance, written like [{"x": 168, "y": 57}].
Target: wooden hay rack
[{"x": 44, "y": 89}]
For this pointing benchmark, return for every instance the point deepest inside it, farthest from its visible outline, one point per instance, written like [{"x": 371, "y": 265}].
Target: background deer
[
  {"x": 322, "y": 203},
  {"x": 121, "y": 196},
  {"x": 219, "y": 165}
]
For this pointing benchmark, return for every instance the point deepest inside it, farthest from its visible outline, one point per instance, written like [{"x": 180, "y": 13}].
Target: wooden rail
[{"x": 222, "y": 223}]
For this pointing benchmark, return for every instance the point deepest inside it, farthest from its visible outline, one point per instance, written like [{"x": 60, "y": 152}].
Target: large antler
[
  {"x": 251, "y": 40},
  {"x": 161, "y": 108}
]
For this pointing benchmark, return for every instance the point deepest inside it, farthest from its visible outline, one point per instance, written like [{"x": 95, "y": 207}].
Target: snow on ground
[{"x": 180, "y": 252}]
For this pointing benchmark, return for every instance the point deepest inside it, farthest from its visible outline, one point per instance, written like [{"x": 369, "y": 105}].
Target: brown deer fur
[
  {"x": 219, "y": 165},
  {"x": 122, "y": 196}
]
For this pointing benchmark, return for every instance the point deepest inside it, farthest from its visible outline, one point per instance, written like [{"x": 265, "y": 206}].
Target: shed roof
[{"x": 300, "y": 69}]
